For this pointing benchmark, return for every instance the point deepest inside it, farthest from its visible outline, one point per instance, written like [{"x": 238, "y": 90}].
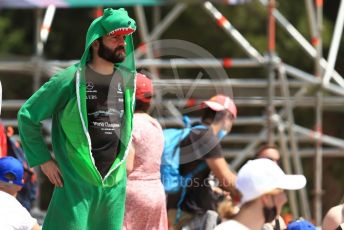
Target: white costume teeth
[{"x": 121, "y": 30}]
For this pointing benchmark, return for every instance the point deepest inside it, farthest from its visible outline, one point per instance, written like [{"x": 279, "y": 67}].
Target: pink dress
[{"x": 145, "y": 201}]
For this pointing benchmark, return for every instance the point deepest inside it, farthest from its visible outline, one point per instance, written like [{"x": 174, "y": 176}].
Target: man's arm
[
  {"x": 52, "y": 171},
  {"x": 221, "y": 170},
  {"x": 130, "y": 159},
  {"x": 49, "y": 99},
  {"x": 43, "y": 104}
]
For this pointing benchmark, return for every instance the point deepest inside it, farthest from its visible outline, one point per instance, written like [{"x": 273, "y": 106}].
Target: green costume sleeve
[{"x": 50, "y": 98}]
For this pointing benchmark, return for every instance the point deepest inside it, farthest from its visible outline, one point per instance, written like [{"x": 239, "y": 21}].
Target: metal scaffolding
[{"x": 285, "y": 84}]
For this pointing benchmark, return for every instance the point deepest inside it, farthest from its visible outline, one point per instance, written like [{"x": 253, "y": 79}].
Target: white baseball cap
[{"x": 261, "y": 176}]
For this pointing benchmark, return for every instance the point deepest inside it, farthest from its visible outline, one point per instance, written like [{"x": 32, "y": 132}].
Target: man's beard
[{"x": 111, "y": 55}]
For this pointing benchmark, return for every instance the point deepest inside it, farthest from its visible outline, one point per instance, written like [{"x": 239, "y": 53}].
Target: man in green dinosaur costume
[{"x": 91, "y": 106}]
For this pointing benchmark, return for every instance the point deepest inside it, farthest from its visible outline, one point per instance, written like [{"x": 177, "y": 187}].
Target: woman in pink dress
[{"x": 145, "y": 202}]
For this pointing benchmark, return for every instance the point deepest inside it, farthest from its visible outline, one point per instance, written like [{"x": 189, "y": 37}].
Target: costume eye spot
[{"x": 129, "y": 22}]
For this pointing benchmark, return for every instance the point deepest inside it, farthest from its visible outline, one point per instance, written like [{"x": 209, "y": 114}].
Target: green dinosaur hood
[{"x": 112, "y": 21}]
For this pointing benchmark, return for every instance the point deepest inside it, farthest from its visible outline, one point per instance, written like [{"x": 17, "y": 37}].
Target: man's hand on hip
[{"x": 52, "y": 171}]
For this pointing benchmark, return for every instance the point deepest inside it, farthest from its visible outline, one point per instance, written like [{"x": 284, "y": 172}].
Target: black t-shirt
[
  {"x": 105, "y": 109},
  {"x": 200, "y": 145}
]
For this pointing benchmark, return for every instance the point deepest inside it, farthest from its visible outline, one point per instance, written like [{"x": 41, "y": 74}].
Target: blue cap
[
  {"x": 300, "y": 225},
  {"x": 11, "y": 165}
]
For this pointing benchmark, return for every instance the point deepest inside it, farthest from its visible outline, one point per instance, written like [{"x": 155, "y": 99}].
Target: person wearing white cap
[
  {"x": 261, "y": 183},
  {"x": 202, "y": 148},
  {"x": 271, "y": 152}
]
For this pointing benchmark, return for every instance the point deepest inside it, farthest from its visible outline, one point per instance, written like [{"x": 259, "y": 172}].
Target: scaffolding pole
[
  {"x": 318, "y": 167},
  {"x": 55, "y": 65},
  {"x": 38, "y": 50},
  {"x": 287, "y": 167},
  {"x": 326, "y": 139},
  {"x": 232, "y": 82},
  {"x": 200, "y": 62},
  {"x": 336, "y": 37},
  {"x": 306, "y": 153},
  {"x": 292, "y": 140},
  {"x": 42, "y": 29},
  {"x": 156, "y": 17},
  {"x": 271, "y": 72},
  {"x": 297, "y": 73},
  {"x": 311, "y": 18},
  {"x": 246, "y": 102},
  {"x": 223, "y": 22}
]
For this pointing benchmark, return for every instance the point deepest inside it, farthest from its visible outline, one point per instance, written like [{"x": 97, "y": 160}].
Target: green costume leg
[{"x": 84, "y": 207}]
